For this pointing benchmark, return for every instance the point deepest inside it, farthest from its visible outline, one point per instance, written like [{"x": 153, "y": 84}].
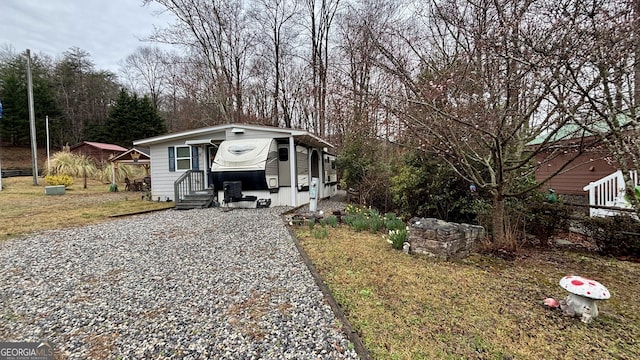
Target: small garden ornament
[
  {"x": 551, "y": 197},
  {"x": 582, "y": 300},
  {"x": 551, "y": 302}
]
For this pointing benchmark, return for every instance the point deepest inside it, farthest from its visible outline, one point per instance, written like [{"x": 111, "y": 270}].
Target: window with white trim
[{"x": 183, "y": 158}]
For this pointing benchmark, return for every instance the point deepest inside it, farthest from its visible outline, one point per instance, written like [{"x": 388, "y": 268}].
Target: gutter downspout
[
  {"x": 321, "y": 179},
  {"x": 309, "y": 165},
  {"x": 292, "y": 170}
]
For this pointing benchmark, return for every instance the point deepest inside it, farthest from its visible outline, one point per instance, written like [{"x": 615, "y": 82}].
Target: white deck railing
[{"x": 609, "y": 191}]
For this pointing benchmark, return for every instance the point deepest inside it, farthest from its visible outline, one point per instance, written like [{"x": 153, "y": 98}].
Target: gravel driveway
[{"x": 173, "y": 284}]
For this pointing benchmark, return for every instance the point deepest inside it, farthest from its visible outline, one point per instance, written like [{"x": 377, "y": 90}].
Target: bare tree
[
  {"x": 358, "y": 81},
  {"x": 604, "y": 74},
  {"x": 487, "y": 83},
  {"x": 218, "y": 32},
  {"x": 274, "y": 21},
  {"x": 321, "y": 14},
  {"x": 83, "y": 93},
  {"x": 145, "y": 70}
]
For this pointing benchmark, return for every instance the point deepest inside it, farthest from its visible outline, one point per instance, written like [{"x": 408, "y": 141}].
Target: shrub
[
  {"x": 615, "y": 235},
  {"x": 59, "y": 180},
  {"x": 351, "y": 162},
  {"x": 424, "y": 186},
  {"x": 367, "y": 165},
  {"x": 545, "y": 219},
  {"x": 375, "y": 187}
]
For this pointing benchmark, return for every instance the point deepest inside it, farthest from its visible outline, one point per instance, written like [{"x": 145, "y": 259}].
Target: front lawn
[
  {"x": 24, "y": 208},
  {"x": 484, "y": 307}
]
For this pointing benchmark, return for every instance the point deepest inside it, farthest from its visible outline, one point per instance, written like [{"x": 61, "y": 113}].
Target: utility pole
[
  {"x": 48, "y": 156},
  {"x": 32, "y": 121}
]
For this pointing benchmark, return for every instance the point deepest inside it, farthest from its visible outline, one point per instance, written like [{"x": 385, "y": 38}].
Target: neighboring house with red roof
[{"x": 101, "y": 152}]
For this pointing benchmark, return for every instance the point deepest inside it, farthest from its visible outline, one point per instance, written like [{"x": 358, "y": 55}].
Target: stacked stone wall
[{"x": 443, "y": 240}]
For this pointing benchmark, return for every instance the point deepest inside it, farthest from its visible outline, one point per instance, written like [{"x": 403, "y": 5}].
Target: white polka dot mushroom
[{"x": 584, "y": 294}]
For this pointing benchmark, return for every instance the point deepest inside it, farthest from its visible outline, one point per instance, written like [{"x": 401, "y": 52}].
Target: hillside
[{"x": 20, "y": 157}]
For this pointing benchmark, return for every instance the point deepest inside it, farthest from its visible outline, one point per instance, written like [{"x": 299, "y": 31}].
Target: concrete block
[{"x": 54, "y": 190}]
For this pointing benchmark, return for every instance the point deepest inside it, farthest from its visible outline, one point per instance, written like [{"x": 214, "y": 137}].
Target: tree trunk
[
  {"x": 497, "y": 220},
  {"x": 636, "y": 64}
]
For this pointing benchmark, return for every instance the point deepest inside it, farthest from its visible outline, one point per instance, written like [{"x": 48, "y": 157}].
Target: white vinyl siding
[{"x": 165, "y": 168}]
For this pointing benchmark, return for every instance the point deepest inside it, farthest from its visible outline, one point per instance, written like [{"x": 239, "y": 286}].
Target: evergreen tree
[
  {"x": 14, "y": 126},
  {"x": 130, "y": 118}
]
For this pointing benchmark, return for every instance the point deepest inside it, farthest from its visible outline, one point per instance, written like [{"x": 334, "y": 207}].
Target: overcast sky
[{"x": 108, "y": 29}]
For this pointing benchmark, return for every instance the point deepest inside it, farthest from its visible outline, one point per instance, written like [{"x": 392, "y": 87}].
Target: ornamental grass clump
[
  {"x": 66, "y": 163},
  {"x": 105, "y": 174}
]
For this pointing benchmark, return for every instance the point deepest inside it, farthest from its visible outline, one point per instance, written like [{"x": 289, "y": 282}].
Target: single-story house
[
  {"x": 588, "y": 167},
  {"x": 250, "y": 162},
  {"x": 101, "y": 152},
  {"x": 593, "y": 176},
  {"x": 593, "y": 164}
]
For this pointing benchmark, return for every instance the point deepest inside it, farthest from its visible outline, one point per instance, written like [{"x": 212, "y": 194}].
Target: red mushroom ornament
[{"x": 584, "y": 294}]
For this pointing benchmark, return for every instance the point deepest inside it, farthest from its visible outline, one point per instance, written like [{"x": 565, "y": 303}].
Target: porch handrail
[
  {"x": 605, "y": 192},
  {"x": 190, "y": 181}
]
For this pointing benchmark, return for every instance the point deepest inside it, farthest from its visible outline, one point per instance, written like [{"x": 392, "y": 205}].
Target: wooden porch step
[{"x": 197, "y": 200}]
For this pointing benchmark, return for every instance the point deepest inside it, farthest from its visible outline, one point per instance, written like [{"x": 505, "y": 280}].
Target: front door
[
  {"x": 315, "y": 171},
  {"x": 211, "y": 154}
]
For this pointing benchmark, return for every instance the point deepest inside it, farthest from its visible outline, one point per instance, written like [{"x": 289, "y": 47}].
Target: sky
[{"x": 109, "y": 30}]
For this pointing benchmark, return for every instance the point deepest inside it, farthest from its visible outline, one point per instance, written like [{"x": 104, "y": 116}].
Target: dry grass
[
  {"x": 412, "y": 307},
  {"x": 24, "y": 208}
]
